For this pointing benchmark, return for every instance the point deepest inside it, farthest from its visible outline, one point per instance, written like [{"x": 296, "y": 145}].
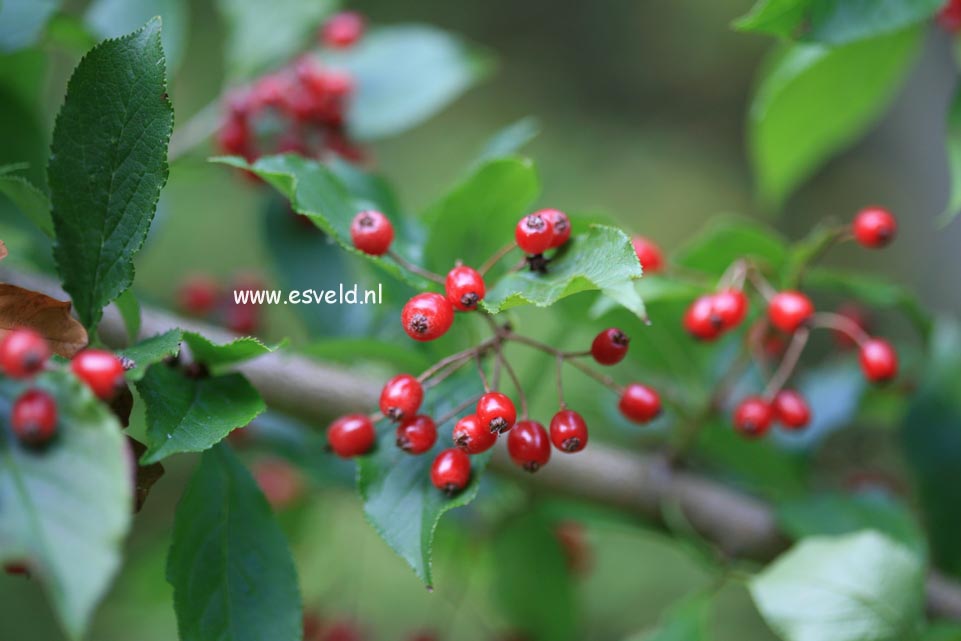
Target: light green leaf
[
  {"x": 688, "y": 620},
  {"x": 129, "y": 309},
  {"x": 784, "y": 18},
  {"x": 953, "y": 146},
  {"x": 108, "y": 163},
  {"x": 509, "y": 140},
  {"x": 728, "y": 239},
  {"x": 113, "y": 18},
  {"x": 218, "y": 357},
  {"x": 150, "y": 351},
  {"x": 21, "y": 21},
  {"x": 32, "y": 202}
]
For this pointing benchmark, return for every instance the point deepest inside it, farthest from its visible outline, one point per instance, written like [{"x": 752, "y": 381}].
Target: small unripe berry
[
  {"x": 102, "y": 371},
  {"x": 34, "y": 418},
  {"x": 879, "y": 361},
  {"x": 198, "y": 295},
  {"x": 791, "y": 410},
  {"x": 529, "y": 446},
  {"x": 568, "y": 431},
  {"x": 472, "y": 436},
  {"x": 23, "y": 353},
  {"x": 342, "y": 29},
  {"x": 401, "y": 397},
  {"x": 533, "y": 234},
  {"x": 649, "y": 254},
  {"x": 788, "y": 310},
  {"x": 701, "y": 320},
  {"x": 464, "y": 288},
  {"x": 640, "y": 403},
  {"x": 730, "y": 306},
  {"x": 351, "y": 435},
  {"x": 560, "y": 225},
  {"x": 496, "y": 411},
  {"x": 417, "y": 434},
  {"x": 372, "y": 232},
  {"x": 610, "y": 346},
  {"x": 874, "y": 227},
  {"x": 753, "y": 416},
  {"x": 427, "y": 316},
  {"x": 450, "y": 471}
]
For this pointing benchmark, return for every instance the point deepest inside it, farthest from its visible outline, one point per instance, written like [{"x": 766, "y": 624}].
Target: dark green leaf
[
  {"x": 113, "y": 18},
  {"x": 108, "y": 163},
  {"x": 940, "y": 631},
  {"x": 32, "y": 202},
  {"x": 509, "y": 140},
  {"x": 151, "y": 351},
  {"x": 23, "y": 128},
  {"x": 689, "y": 620},
  {"x": 21, "y": 21},
  {"x": 220, "y": 356},
  {"x": 727, "y": 239},
  {"x": 129, "y": 309},
  {"x": 953, "y": 146},
  {"x": 229, "y": 564},
  {"x": 78, "y": 488}
]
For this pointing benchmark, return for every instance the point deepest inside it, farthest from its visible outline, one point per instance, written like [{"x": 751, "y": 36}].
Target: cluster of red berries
[
  {"x": 298, "y": 109},
  {"x": 202, "y": 296},
  {"x": 23, "y": 354}
]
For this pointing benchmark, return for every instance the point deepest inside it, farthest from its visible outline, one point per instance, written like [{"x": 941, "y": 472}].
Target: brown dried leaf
[
  {"x": 21, "y": 307},
  {"x": 146, "y": 475}
]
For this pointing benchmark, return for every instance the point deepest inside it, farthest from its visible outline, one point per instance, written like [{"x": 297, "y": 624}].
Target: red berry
[
  {"x": 496, "y": 412},
  {"x": 417, "y": 434},
  {"x": 791, "y": 410},
  {"x": 529, "y": 446},
  {"x": 23, "y": 353},
  {"x": 610, "y": 346},
  {"x": 280, "y": 483},
  {"x": 198, "y": 295},
  {"x": 472, "y": 436},
  {"x": 949, "y": 17},
  {"x": 372, "y": 232},
  {"x": 401, "y": 397},
  {"x": 427, "y": 316},
  {"x": 640, "y": 403},
  {"x": 701, "y": 320},
  {"x": 874, "y": 227},
  {"x": 464, "y": 288},
  {"x": 450, "y": 472},
  {"x": 568, "y": 431},
  {"x": 649, "y": 254},
  {"x": 242, "y": 318},
  {"x": 100, "y": 370},
  {"x": 753, "y": 416},
  {"x": 879, "y": 361},
  {"x": 342, "y": 29},
  {"x": 788, "y": 310},
  {"x": 34, "y": 418},
  {"x": 233, "y": 137},
  {"x": 559, "y": 223},
  {"x": 533, "y": 234},
  {"x": 730, "y": 306},
  {"x": 351, "y": 435}
]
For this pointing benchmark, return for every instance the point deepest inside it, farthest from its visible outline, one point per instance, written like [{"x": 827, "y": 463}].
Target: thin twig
[
  {"x": 839, "y": 323},
  {"x": 560, "y": 382},
  {"x": 415, "y": 269},
  {"x": 513, "y": 376},
  {"x": 457, "y": 410},
  {"x": 455, "y": 357},
  {"x": 788, "y": 362},
  {"x": 482, "y": 373},
  {"x": 493, "y": 260},
  {"x": 761, "y": 284}
]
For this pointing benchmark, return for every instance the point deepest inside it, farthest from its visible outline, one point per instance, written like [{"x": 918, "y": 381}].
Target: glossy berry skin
[
  {"x": 342, "y": 30},
  {"x": 417, "y": 434},
  {"x": 372, "y": 232},
  {"x": 874, "y": 227},
  {"x": 34, "y": 418},
  {"x": 401, "y": 397},
  {"x": 791, "y": 410},
  {"x": 701, "y": 320},
  {"x": 102, "y": 371},
  {"x": 533, "y": 234},
  {"x": 198, "y": 295},
  {"x": 464, "y": 288},
  {"x": 351, "y": 435},
  {"x": 497, "y": 412},
  {"x": 568, "y": 431},
  {"x": 640, "y": 403},
  {"x": 450, "y": 471},
  {"x": 529, "y": 445},
  {"x": 949, "y": 17},
  {"x": 610, "y": 346},
  {"x": 427, "y": 316},
  {"x": 879, "y": 361},
  {"x": 788, "y": 310},
  {"x": 560, "y": 225},
  {"x": 472, "y": 436},
  {"x": 753, "y": 416},
  {"x": 649, "y": 254},
  {"x": 23, "y": 353},
  {"x": 730, "y": 306}
]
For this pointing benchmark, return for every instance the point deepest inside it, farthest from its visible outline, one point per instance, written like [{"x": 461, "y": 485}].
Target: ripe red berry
[
  {"x": 351, "y": 435},
  {"x": 34, "y": 418},
  {"x": 649, "y": 254},
  {"x": 279, "y": 481},
  {"x": 701, "y": 320},
  {"x": 233, "y": 137},
  {"x": 102, "y": 371},
  {"x": 427, "y": 316},
  {"x": 533, "y": 234},
  {"x": 730, "y": 306},
  {"x": 342, "y": 29},
  {"x": 464, "y": 288},
  {"x": 198, "y": 295},
  {"x": 529, "y": 446},
  {"x": 559, "y": 223},
  {"x": 879, "y": 361},
  {"x": 791, "y": 410},
  {"x": 472, "y": 436},
  {"x": 496, "y": 412},
  {"x": 417, "y": 434},
  {"x": 401, "y": 397},
  {"x": 568, "y": 431},
  {"x": 23, "y": 353},
  {"x": 242, "y": 318},
  {"x": 874, "y": 227},
  {"x": 640, "y": 403},
  {"x": 949, "y": 17},
  {"x": 450, "y": 472},
  {"x": 610, "y": 346},
  {"x": 372, "y": 232},
  {"x": 753, "y": 416},
  {"x": 788, "y": 310}
]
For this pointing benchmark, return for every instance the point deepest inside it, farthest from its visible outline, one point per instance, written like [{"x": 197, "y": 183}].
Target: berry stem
[
  {"x": 841, "y": 324},
  {"x": 456, "y": 357},
  {"x": 560, "y": 381},
  {"x": 813, "y": 248},
  {"x": 760, "y": 283},
  {"x": 734, "y": 275},
  {"x": 482, "y": 373},
  {"x": 457, "y": 410},
  {"x": 607, "y": 381},
  {"x": 415, "y": 269},
  {"x": 788, "y": 363},
  {"x": 495, "y": 258},
  {"x": 517, "y": 384}
]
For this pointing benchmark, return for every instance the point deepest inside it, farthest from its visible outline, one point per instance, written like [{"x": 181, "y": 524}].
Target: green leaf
[
  {"x": 833, "y": 95},
  {"x": 602, "y": 259},
  {"x": 941, "y": 631},
  {"x": 32, "y": 202},
  {"x": 405, "y": 74},
  {"x": 151, "y": 351},
  {"x": 193, "y": 414},
  {"x": 21, "y": 21},
  {"x": 108, "y": 163},
  {"x": 229, "y": 563},
  {"x": 509, "y": 140},
  {"x": 66, "y": 510},
  {"x": 728, "y": 239},
  {"x": 113, "y": 18},
  {"x": 688, "y": 620},
  {"x": 129, "y": 309},
  {"x": 857, "y": 587},
  {"x": 953, "y": 148},
  {"x": 217, "y": 357},
  {"x": 782, "y": 18}
]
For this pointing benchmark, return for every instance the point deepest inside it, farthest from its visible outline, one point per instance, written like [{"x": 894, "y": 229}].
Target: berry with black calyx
[
  {"x": 753, "y": 416},
  {"x": 417, "y": 434},
  {"x": 560, "y": 226},
  {"x": 372, "y": 232},
  {"x": 701, "y": 320},
  {"x": 533, "y": 234},
  {"x": 23, "y": 353},
  {"x": 34, "y": 418},
  {"x": 529, "y": 445},
  {"x": 401, "y": 397},
  {"x": 450, "y": 472},
  {"x": 465, "y": 288},
  {"x": 874, "y": 227},
  {"x": 472, "y": 436},
  {"x": 610, "y": 346},
  {"x": 427, "y": 316},
  {"x": 496, "y": 411},
  {"x": 568, "y": 431}
]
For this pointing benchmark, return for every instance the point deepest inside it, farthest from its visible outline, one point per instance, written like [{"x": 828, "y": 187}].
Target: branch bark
[{"x": 738, "y": 524}]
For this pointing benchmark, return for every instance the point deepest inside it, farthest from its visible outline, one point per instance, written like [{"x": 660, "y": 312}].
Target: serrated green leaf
[
  {"x": 857, "y": 587},
  {"x": 32, "y": 202},
  {"x": 21, "y": 21},
  {"x": 151, "y": 351},
  {"x": 129, "y": 308},
  {"x": 953, "y": 148},
  {"x": 193, "y": 414},
  {"x": 113, "y": 18},
  {"x": 602, "y": 260},
  {"x": 509, "y": 140},
  {"x": 833, "y": 95},
  {"x": 688, "y": 620},
  {"x": 728, "y": 239},
  {"x": 218, "y": 357},
  {"x": 79, "y": 485},
  {"x": 108, "y": 163},
  {"x": 229, "y": 563}
]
